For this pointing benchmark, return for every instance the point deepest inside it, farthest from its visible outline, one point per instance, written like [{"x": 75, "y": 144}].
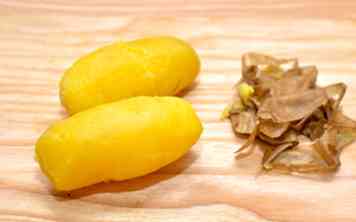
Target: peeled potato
[
  {"x": 117, "y": 141},
  {"x": 158, "y": 66}
]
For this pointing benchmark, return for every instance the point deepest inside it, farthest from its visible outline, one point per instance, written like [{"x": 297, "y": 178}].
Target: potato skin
[
  {"x": 117, "y": 141},
  {"x": 157, "y": 66}
]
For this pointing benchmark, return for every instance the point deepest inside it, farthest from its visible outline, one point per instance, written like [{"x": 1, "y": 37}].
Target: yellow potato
[
  {"x": 117, "y": 141},
  {"x": 157, "y": 66}
]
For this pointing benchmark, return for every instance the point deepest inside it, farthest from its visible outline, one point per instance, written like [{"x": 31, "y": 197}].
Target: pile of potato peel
[{"x": 279, "y": 103}]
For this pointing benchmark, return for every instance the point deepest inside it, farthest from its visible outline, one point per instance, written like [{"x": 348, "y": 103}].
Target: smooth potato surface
[
  {"x": 117, "y": 141},
  {"x": 157, "y": 66}
]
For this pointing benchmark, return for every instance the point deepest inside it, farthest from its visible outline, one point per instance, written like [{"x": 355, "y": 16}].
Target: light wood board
[{"x": 39, "y": 39}]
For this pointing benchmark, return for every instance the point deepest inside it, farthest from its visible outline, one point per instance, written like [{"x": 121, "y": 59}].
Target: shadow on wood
[{"x": 187, "y": 90}]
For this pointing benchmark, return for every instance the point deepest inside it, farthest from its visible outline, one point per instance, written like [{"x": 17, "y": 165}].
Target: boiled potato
[
  {"x": 157, "y": 66},
  {"x": 117, "y": 141}
]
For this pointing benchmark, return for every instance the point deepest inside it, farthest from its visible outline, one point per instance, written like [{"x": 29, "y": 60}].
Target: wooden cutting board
[{"x": 40, "y": 38}]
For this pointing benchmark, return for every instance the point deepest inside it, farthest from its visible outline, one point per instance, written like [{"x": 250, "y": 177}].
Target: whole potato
[
  {"x": 117, "y": 141},
  {"x": 157, "y": 66}
]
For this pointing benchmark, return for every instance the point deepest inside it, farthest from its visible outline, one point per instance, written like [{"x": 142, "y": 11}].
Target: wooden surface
[{"x": 40, "y": 38}]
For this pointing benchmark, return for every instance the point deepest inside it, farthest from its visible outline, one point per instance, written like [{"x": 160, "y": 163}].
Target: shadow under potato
[
  {"x": 139, "y": 183},
  {"x": 189, "y": 89}
]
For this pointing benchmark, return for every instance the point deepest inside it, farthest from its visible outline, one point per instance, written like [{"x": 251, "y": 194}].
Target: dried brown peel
[
  {"x": 299, "y": 124},
  {"x": 290, "y": 136},
  {"x": 279, "y": 103},
  {"x": 254, "y": 65},
  {"x": 271, "y": 154},
  {"x": 344, "y": 129},
  {"x": 248, "y": 147},
  {"x": 292, "y": 84},
  {"x": 272, "y": 129},
  {"x": 301, "y": 158},
  {"x": 244, "y": 122},
  {"x": 335, "y": 94},
  {"x": 296, "y": 106},
  {"x": 308, "y": 70}
]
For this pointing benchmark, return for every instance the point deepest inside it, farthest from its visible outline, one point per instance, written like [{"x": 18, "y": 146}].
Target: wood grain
[{"x": 39, "y": 39}]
